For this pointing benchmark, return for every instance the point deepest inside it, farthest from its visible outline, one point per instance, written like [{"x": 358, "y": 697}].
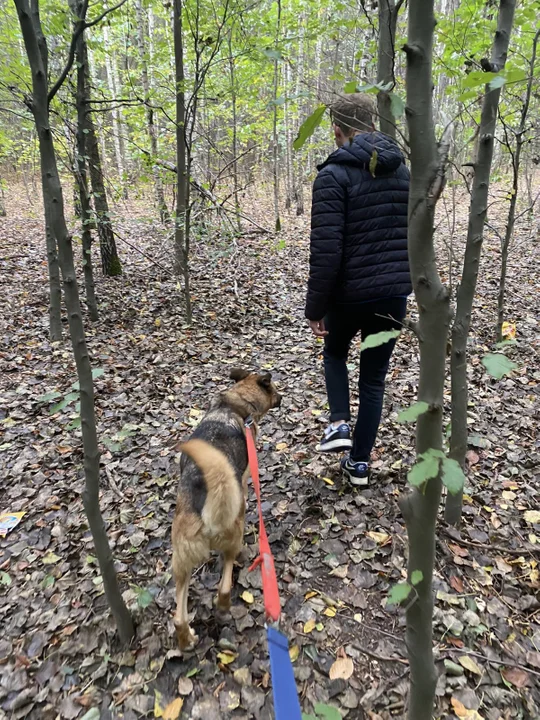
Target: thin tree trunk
[
  {"x": 516, "y": 166},
  {"x": 288, "y": 143},
  {"x": 234, "y": 136},
  {"x": 55, "y": 288},
  {"x": 473, "y": 249},
  {"x": 118, "y": 128},
  {"x": 81, "y": 102},
  {"x": 275, "y": 141},
  {"x": 150, "y": 126},
  {"x": 110, "y": 262},
  {"x": 420, "y": 506},
  {"x": 388, "y": 13},
  {"x": 182, "y": 197},
  {"x": 298, "y": 175},
  {"x": 52, "y": 197}
]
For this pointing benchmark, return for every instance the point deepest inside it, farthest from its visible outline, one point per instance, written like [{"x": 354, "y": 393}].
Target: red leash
[{"x": 265, "y": 559}]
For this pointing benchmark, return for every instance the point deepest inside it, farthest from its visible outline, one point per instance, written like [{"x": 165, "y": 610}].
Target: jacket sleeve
[{"x": 326, "y": 242}]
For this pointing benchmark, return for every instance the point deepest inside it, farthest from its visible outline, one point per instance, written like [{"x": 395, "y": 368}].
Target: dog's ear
[
  {"x": 265, "y": 381},
  {"x": 238, "y": 374}
]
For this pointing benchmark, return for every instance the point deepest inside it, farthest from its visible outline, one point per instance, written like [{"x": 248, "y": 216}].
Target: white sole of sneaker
[
  {"x": 357, "y": 482},
  {"x": 335, "y": 445}
]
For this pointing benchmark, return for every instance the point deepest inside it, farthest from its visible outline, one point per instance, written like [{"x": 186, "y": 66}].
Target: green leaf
[
  {"x": 97, "y": 372},
  {"x": 5, "y": 579},
  {"x": 498, "y": 365},
  {"x": 452, "y": 476},
  {"x": 399, "y": 593},
  {"x": 273, "y": 54},
  {"x": 327, "y": 712},
  {"x": 425, "y": 469},
  {"x": 144, "y": 598},
  {"x": 515, "y": 75},
  {"x": 192, "y": 672},
  {"x": 309, "y": 126},
  {"x": 111, "y": 445},
  {"x": 74, "y": 424},
  {"x": 49, "y": 397},
  {"x": 478, "y": 77},
  {"x": 307, "y": 716},
  {"x": 497, "y": 82},
  {"x": 48, "y": 581},
  {"x": 379, "y": 338},
  {"x": 70, "y": 397},
  {"x": 350, "y": 87},
  {"x": 397, "y": 106},
  {"x": 416, "y": 577},
  {"x": 413, "y": 412}
]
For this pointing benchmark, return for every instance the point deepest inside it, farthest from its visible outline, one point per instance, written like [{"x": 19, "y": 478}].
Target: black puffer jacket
[{"x": 359, "y": 226}]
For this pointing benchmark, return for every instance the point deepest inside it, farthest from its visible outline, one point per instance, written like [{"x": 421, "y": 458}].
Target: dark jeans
[{"x": 342, "y": 326}]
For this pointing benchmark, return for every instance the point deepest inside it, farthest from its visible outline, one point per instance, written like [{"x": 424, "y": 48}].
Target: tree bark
[
  {"x": 275, "y": 140},
  {"x": 81, "y": 102},
  {"x": 473, "y": 249},
  {"x": 118, "y": 125},
  {"x": 150, "y": 125},
  {"x": 516, "y": 165},
  {"x": 420, "y": 506},
  {"x": 298, "y": 175},
  {"x": 388, "y": 13},
  {"x": 236, "y": 184},
  {"x": 55, "y": 287},
  {"x": 52, "y": 197},
  {"x": 110, "y": 262},
  {"x": 181, "y": 251}
]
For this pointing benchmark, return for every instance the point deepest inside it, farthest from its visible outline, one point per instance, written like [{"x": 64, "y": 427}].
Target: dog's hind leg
[
  {"x": 184, "y": 634},
  {"x": 225, "y": 586}
]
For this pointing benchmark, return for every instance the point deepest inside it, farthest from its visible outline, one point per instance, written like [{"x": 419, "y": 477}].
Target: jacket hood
[{"x": 373, "y": 151}]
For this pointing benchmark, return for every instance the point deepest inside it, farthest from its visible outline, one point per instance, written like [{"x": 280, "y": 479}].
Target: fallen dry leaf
[{"x": 342, "y": 669}]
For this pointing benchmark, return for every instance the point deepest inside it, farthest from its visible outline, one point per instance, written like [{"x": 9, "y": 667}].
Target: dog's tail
[{"x": 224, "y": 495}]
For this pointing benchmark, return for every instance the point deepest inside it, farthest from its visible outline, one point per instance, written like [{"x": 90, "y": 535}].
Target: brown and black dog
[{"x": 212, "y": 492}]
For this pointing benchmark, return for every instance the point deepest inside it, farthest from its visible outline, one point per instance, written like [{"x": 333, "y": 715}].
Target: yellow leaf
[
  {"x": 373, "y": 162},
  {"x": 173, "y": 709},
  {"x": 316, "y": 412},
  {"x": 328, "y": 481},
  {"x": 294, "y": 652},
  {"x": 508, "y": 331},
  {"x": 281, "y": 446},
  {"x": 309, "y": 626},
  {"x": 247, "y": 597},
  {"x": 379, "y": 537},
  {"x": 329, "y": 612},
  {"x": 158, "y": 699},
  {"x": 469, "y": 664},
  {"x": 158, "y": 322},
  {"x": 532, "y": 516},
  {"x": 342, "y": 669},
  {"x": 310, "y": 594},
  {"x": 533, "y": 539},
  {"x": 462, "y": 712},
  {"x": 358, "y": 617},
  {"x": 227, "y": 657}
]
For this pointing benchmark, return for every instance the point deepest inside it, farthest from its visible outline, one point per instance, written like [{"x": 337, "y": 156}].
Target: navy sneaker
[
  {"x": 336, "y": 439},
  {"x": 356, "y": 472}
]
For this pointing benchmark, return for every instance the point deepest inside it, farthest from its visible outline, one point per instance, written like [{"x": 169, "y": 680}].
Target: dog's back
[{"x": 212, "y": 468}]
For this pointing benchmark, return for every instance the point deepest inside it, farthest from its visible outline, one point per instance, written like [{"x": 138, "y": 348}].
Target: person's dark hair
[{"x": 353, "y": 113}]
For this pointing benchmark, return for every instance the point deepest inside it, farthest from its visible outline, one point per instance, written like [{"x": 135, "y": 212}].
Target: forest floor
[{"x": 337, "y": 550}]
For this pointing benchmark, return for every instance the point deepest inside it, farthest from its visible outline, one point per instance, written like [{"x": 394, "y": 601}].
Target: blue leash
[{"x": 286, "y": 703}]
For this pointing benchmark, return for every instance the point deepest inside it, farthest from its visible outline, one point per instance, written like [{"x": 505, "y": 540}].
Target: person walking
[{"x": 359, "y": 276}]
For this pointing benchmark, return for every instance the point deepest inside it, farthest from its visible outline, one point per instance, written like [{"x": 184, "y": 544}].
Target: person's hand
[{"x": 317, "y": 328}]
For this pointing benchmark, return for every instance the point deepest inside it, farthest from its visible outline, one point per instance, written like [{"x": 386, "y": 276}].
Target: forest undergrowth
[{"x": 338, "y": 551}]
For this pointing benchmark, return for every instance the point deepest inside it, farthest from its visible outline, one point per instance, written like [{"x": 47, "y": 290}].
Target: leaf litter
[{"x": 338, "y": 552}]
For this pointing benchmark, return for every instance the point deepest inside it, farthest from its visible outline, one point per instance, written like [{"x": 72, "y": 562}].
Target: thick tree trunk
[
  {"x": 150, "y": 125},
  {"x": 110, "y": 262},
  {"x": 181, "y": 249},
  {"x": 52, "y": 197},
  {"x": 388, "y": 13},
  {"x": 81, "y": 102},
  {"x": 473, "y": 249},
  {"x": 420, "y": 506}
]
